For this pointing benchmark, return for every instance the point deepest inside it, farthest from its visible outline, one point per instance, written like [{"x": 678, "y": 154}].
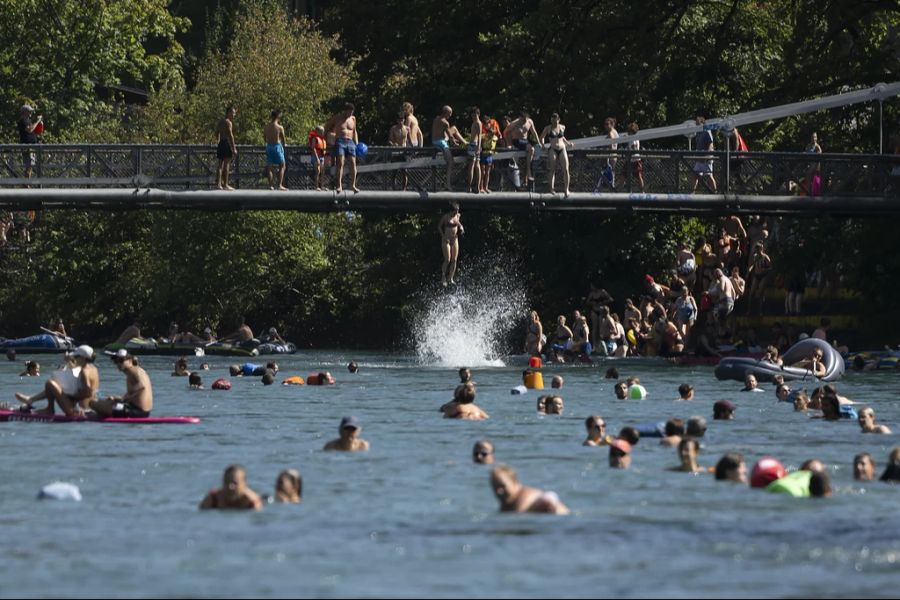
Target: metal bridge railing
[{"x": 192, "y": 167}]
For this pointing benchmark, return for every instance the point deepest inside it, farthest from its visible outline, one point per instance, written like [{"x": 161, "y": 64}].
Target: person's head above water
[
  {"x": 465, "y": 375},
  {"x": 483, "y": 452},
  {"x": 557, "y": 382},
  {"x": 353, "y": 367},
  {"x": 630, "y": 435},
  {"x": 723, "y": 410},
  {"x": 686, "y": 391},
  {"x": 696, "y": 427},
  {"x": 863, "y": 467},
  {"x": 621, "y": 390},
  {"x": 732, "y": 467},
  {"x": 619, "y": 454}
]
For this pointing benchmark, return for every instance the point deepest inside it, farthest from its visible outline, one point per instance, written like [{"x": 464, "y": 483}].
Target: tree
[{"x": 59, "y": 55}]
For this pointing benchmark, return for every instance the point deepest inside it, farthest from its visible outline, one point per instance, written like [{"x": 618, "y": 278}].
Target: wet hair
[
  {"x": 729, "y": 462},
  {"x": 353, "y": 367},
  {"x": 832, "y": 401},
  {"x": 275, "y": 115},
  {"x": 234, "y": 370},
  {"x": 272, "y": 366},
  {"x": 195, "y": 379},
  {"x": 696, "y": 427},
  {"x": 612, "y": 373},
  {"x": 892, "y": 471},
  {"x": 232, "y": 470},
  {"x": 688, "y": 442},
  {"x": 465, "y": 393},
  {"x": 465, "y": 375},
  {"x": 591, "y": 420},
  {"x": 181, "y": 363},
  {"x": 674, "y": 427},
  {"x": 630, "y": 435},
  {"x": 295, "y": 477},
  {"x": 632, "y": 381},
  {"x": 820, "y": 485},
  {"x": 813, "y": 464},
  {"x": 684, "y": 389},
  {"x": 268, "y": 378}
]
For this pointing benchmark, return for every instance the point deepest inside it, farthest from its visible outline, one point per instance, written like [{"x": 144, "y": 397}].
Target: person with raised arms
[
  {"x": 137, "y": 403},
  {"x": 516, "y": 497},
  {"x": 73, "y": 387},
  {"x": 234, "y": 493}
]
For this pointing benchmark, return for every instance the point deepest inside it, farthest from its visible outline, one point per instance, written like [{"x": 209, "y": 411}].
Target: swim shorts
[
  {"x": 724, "y": 307},
  {"x": 520, "y": 144},
  {"x": 703, "y": 167},
  {"x": 487, "y": 159},
  {"x": 274, "y": 154},
  {"x": 127, "y": 410},
  {"x": 441, "y": 145},
  {"x": 472, "y": 150},
  {"x": 223, "y": 150},
  {"x": 345, "y": 147}
]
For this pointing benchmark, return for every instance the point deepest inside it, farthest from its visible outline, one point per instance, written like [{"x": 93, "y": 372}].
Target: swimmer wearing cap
[
  {"x": 349, "y": 440},
  {"x": 234, "y": 493},
  {"x": 73, "y": 387},
  {"x": 516, "y": 497}
]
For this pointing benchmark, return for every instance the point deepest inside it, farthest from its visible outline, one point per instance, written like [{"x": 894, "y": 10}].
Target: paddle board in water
[{"x": 14, "y": 415}]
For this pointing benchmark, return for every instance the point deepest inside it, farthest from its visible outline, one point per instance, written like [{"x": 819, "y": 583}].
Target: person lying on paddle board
[
  {"x": 138, "y": 399},
  {"x": 73, "y": 387}
]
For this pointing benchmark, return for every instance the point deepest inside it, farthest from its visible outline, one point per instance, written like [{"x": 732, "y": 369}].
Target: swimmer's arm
[
  {"x": 229, "y": 135},
  {"x": 544, "y": 134},
  {"x": 207, "y": 502}
]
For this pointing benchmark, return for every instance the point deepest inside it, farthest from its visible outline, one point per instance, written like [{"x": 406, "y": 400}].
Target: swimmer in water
[
  {"x": 234, "y": 493},
  {"x": 463, "y": 405},
  {"x": 516, "y": 497},
  {"x": 596, "y": 432},
  {"x": 688, "y": 449},
  {"x": 289, "y": 487},
  {"x": 863, "y": 467},
  {"x": 554, "y": 405},
  {"x": 619, "y": 454},
  {"x": 751, "y": 384},
  {"x": 32, "y": 369},
  {"x": 621, "y": 390},
  {"x": 195, "y": 382},
  {"x": 557, "y": 382},
  {"x": 732, "y": 467},
  {"x": 465, "y": 375},
  {"x": 483, "y": 453},
  {"x": 685, "y": 391},
  {"x": 349, "y": 440},
  {"x": 867, "y": 422},
  {"x": 674, "y": 433}
]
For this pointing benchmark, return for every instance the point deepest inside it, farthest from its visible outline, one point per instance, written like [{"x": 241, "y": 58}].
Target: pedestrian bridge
[{"x": 183, "y": 177}]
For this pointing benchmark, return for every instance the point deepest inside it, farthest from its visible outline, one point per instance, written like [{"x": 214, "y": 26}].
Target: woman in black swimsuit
[{"x": 554, "y": 138}]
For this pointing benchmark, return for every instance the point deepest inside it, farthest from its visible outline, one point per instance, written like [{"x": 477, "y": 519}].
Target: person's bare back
[
  {"x": 274, "y": 133},
  {"x": 139, "y": 391}
]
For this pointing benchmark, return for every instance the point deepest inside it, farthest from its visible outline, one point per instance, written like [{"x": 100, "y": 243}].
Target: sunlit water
[{"x": 414, "y": 517}]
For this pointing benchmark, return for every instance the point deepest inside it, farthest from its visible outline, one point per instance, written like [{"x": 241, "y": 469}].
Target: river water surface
[{"x": 414, "y": 517}]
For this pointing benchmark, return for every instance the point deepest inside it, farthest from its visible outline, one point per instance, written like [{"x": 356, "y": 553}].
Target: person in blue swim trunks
[
  {"x": 343, "y": 127},
  {"x": 275, "y": 144},
  {"x": 442, "y": 135}
]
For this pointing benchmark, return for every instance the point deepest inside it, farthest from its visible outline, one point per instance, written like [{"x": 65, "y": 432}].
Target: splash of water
[{"x": 469, "y": 324}]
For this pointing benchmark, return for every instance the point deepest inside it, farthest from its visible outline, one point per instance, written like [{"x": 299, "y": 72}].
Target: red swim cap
[
  {"x": 221, "y": 384},
  {"x": 765, "y": 471}
]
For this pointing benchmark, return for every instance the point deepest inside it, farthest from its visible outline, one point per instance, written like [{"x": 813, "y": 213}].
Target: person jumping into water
[{"x": 450, "y": 229}]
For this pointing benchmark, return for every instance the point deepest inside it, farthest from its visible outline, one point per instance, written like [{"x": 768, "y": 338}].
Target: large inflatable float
[
  {"x": 13, "y": 416},
  {"x": 44, "y": 343},
  {"x": 149, "y": 347},
  {"x": 737, "y": 368}
]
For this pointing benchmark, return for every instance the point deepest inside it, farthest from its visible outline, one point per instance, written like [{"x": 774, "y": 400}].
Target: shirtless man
[
  {"x": 138, "y": 399},
  {"x": 473, "y": 151},
  {"x": 275, "y": 145},
  {"x": 442, "y": 135},
  {"x": 243, "y": 334},
  {"x": 234, "y": 493},
  {"x": 723, "y": 291},
  {"x": 867, "y": 422},
  {"x": 399, "y": 137},
  {"x": 813, "y": 363},
  {"x": 343, "y": 127},
  {"x": 73, "y": 387},
  {"x": 416, "y": 139},
  {"x": 226, "y": 150},
  {"x": 580, "y": 334},
  {"x": 597, "y": 299},
  {"x": 607, "y": 333},
  {"x": 463, "y": 405},
  {"x": 349, "y": 440},
  {"x": 450, "y": 229},
  {"x": 516, "y": 497},
  {"x": 516, "y": 135}
]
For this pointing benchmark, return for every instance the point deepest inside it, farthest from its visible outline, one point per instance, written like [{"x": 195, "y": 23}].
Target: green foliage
[
  {"x": 271, "y": 61},
  {"x": 58, "y": 54}
]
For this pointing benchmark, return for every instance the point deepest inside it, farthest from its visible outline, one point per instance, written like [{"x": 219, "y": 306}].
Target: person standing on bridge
[
  {"x": 343, "y": 125},
  {"x": 703, "y": 167},
  {"x": 275, "y": 144},
  {"x": 399, "y": 137},
  {"x": 519, "y": 135},
  {"x": 414, "y": 132},
  {"x": 226, "y": 150},
  {"x": 473, "y": 150},
  {"x": 554, "y": 135},
  {"x": 28, "y": 131},
  {"x": 442, "y": 135}
]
